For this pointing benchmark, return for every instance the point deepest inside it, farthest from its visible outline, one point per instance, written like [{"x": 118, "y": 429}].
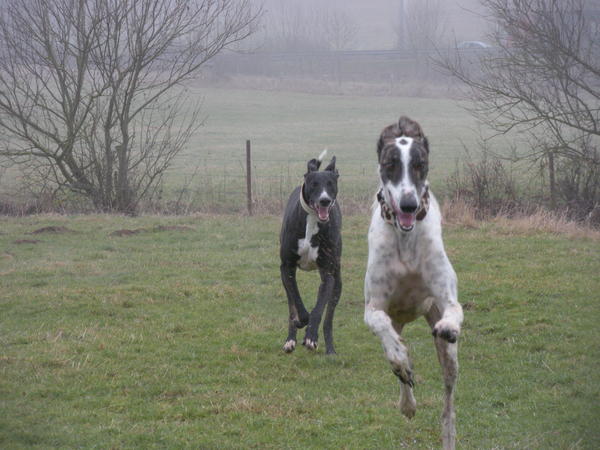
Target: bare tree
[
  {"x": 339, "y": 28},
  {"x": 92, "y": 91},
  {"x": 420, "y": 25},
  {"x": 293, "y": 27},
  {"x": 542, "y": 80}
]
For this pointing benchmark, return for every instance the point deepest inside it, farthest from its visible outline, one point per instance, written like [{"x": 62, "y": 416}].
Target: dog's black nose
[
  {"x": 325, "y": 202},
  {"x": 408, "y": 206}
]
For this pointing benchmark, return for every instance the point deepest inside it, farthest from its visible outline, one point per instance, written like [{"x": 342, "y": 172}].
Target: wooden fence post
[{"x": 249, "y": 177}]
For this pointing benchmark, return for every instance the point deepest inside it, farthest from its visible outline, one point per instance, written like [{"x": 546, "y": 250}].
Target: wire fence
[{"x": 221, "y": 184}]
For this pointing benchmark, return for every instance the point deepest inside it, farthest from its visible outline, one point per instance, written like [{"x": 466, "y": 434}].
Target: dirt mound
[
  {"x": 26, "y": 241},
  {"x": 52, "y": 229},
  {"x": 173, "y": 228},
  {"x": 126, "y": 232}
]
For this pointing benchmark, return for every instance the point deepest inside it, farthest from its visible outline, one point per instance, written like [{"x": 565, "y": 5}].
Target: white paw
[
  {"x": 289, "y": 346},
  {"x": 310, "y": 344}
]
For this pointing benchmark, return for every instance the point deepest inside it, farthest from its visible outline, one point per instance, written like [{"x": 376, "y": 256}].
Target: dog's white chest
[{"x": 308, "y": 254}]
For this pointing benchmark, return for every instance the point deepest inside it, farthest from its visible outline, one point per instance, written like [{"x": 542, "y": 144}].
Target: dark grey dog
[{"x": 311, "y": 239}]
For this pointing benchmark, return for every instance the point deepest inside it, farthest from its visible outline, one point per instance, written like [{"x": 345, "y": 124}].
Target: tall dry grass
[{"x": 458, "y": 212}]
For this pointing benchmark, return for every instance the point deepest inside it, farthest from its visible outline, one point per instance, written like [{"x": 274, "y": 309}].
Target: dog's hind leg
[
  {"x": 328, "y": 321},
  {"x": 448, "y": 356},
  {"x": 408, "y": 404},
  {"x": 323, "y": 297}
]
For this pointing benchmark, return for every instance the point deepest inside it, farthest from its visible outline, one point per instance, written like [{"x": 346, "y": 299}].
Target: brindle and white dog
[{"x": 408, "y": 272}]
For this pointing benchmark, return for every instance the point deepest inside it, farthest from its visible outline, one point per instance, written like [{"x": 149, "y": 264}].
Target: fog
[
  {"x": 377, "y": 21},
  {"x": 335, "y": 46}
]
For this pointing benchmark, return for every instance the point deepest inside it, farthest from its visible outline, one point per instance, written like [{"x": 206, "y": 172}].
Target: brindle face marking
[
  {"x": 403, "y": 153},
  {"x": 403, "y": 159}
]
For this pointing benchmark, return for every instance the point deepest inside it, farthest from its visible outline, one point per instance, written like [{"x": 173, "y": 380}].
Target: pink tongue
[
  {"x": 323, "y": 213},
  {"x": 406, "y": 220}
]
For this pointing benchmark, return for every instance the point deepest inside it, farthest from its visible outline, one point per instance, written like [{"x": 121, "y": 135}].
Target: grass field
[
  {"x": 287, "y": 129},
  {"x": 170, "y": 337}
]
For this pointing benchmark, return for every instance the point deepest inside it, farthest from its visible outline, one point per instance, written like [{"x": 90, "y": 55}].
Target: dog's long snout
[
  {"x": 408, "y": 205},
  {"x": 325, "y": 202}
]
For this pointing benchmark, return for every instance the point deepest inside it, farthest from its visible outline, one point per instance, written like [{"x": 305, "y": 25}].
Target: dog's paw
[
  {"x": 404, "y": 374},
  {"x": 310, "y": 344},
  {"x": 408, "y": 409},
  {"x": 446, "y": 330},
  {"x": 289, "y": 346}
]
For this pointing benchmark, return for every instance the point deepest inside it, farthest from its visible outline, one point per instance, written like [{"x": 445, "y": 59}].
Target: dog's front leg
[
  {"x": 298, "y": 316},
  {"x": 324, "y": 296},
  {"x": 395, "y": 351},
  {"x": 443, "y": 285}
]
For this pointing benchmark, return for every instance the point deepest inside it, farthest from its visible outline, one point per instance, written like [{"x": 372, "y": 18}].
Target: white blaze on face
[
  {"x": 323, "y": 211},
  {"x": 405, "y": 186}
]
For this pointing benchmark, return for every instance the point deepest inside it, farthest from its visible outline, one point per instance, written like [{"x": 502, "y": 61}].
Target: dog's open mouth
[
  {"x": 322, "y": 212},
  {"x": 406, "y": 221}
]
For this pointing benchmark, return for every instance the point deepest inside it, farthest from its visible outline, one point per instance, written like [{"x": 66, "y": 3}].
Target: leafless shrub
[
  {"x": 486, "y": 183},
  {"x": 540, "y": 84}
]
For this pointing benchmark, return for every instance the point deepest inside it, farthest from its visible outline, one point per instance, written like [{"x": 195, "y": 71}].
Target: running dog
[
  {"x": 311, "y": 239},
  {"x": 408, "y": 273}
]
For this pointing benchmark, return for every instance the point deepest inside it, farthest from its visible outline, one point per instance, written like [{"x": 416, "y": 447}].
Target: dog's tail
[
  {"x": 322, "y": 155},
  {"x": 315, "y": 163}
]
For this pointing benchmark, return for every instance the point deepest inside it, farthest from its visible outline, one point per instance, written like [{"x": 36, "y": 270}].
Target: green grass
[{"x": 173, "y": 339}]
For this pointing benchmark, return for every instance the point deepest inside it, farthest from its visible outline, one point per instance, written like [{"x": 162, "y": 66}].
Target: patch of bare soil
[
  {"x": 52, "y": 229},
  {"x": 173, "y": 228},
  {"x": 126, "y": 232},
  {"x": 26, "y": 241}
]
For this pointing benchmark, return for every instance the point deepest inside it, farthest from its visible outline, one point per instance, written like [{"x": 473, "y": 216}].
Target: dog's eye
[{"x": 417, "y": 166}]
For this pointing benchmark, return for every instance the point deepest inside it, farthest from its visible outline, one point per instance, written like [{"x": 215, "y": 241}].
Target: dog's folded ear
[
  {"x": 379, "y": 147},
  {"x": 389, "y": 132},
  {"x": 313, "y": 165},
  {"x": 410, "y": 128},
  {"x": 331, "y": 167}
]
